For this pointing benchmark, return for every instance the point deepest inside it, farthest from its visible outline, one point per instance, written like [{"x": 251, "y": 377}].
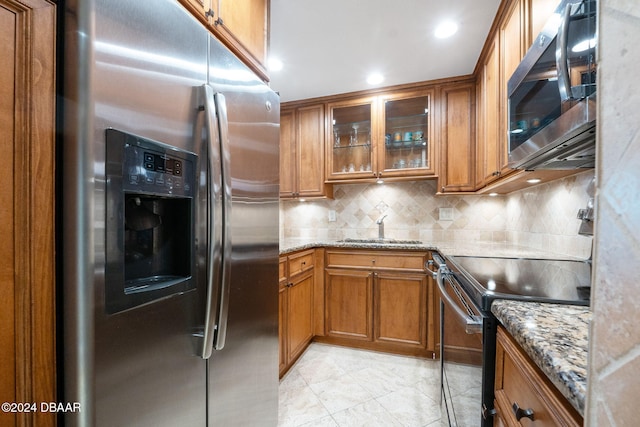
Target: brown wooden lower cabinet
[
  {"x": 296, "y": 323},
  {"x": 348, "y": 309},
  {"x": 379, "y": 300},
  {"x": 400, "y": 308},
  {"x": 524, "y": 396},
  {"x": 373, "y": 299}
]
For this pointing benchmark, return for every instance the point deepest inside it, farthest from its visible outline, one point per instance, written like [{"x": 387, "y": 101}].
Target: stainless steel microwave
[{"x": 552, "y": 93}]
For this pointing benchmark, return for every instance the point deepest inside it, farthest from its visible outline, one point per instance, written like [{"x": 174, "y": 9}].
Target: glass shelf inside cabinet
[
  {"x": 406, "y": 129},
  {"x": 352, "y": 139}
]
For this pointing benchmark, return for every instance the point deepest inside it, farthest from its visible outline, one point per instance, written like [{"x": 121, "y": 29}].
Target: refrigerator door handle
[
  {"x": 214, "y": 218},
  {"x": 223, "y": 311}
]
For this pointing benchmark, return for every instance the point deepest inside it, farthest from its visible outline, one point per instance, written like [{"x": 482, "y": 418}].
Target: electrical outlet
[
  {"x": 332, "y": 216},
  {"x": 445, "y": 214}
]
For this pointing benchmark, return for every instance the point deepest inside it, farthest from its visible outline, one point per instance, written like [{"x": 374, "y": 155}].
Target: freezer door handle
[
  {"x": 218, "y": 210},
  {"x": 223, "y": 311}
]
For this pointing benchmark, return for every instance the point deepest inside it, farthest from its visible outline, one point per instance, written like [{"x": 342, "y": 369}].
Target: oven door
[{"x": 467, "y": 356}]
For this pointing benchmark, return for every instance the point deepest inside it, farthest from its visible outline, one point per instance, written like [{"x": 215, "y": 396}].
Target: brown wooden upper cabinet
[
  {"x": 302, "y": 153},
  {"x": 379, "y": 137},
  {"x": 457, "y": 138},
  {"x": 242, "y": 25},
  {"x": 352, "y": 139},
  {"x": 489, "y": 139}
]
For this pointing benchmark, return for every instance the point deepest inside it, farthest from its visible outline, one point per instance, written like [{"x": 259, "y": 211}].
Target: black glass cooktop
[{"x": 519, "y": 278}]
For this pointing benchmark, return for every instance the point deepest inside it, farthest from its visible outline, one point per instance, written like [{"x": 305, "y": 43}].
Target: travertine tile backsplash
[
  {"x": 614, "y": 352},
  {"x": 541, "y": 217}
]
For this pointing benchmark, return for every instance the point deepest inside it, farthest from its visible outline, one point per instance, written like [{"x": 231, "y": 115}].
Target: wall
[
  {"x": 614, "y": 354},
  {"x": 541, "y": 217}
]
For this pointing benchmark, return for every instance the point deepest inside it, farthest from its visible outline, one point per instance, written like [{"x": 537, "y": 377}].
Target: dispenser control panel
[{"x": 153, "y": 167}]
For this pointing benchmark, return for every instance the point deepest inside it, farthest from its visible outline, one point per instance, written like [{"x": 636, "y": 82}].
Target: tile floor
[{"x": 333, "y": 386}]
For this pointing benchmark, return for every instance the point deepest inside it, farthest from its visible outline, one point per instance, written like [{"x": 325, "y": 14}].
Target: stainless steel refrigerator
[{"x": 169, "y": 167}]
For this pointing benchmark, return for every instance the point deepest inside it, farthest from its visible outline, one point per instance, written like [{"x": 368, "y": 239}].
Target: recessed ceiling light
[
  {"x": 446, "y": 29},
  {"x": 275, "y": 64},
  {"x": 375, "y": 78},
  {"x": 534, "y": 180}
]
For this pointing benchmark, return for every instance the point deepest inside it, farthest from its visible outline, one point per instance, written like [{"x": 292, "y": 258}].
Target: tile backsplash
[{"x": 540, "y": 217}]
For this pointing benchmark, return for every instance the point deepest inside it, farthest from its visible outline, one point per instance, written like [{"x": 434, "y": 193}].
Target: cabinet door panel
[
  {"x": 401, "y": 308},
  {"x": 300, "y": 314},
  {"x": 348, "y": 304},
  {"x": 351, "y": 145},
  {"x": 282, "y": 328},
  {"x": 288, "y": 167},
  {"x": 541, "y": 11},
  {"x": 490, "y": 148},
  {"x": 246, "y": 21},
  {"x": 457, "y": 171},
  {"x": 310, "y": 157}
]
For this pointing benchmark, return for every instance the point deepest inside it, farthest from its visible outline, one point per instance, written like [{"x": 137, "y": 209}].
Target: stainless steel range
[{"x": 467, "y": 287}]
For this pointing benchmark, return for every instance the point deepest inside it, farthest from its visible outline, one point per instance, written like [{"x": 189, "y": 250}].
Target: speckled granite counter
[
  {"x": 446, "y": 248},
  {"x": 556, "y": 338}
]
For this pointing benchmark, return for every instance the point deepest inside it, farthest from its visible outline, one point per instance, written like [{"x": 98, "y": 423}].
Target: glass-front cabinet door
[
  {"x": 408, "y": 137},
  {"x": 351, "y": 140}
]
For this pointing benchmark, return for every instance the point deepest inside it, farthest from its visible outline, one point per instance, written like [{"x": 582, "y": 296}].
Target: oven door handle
[{"x": 472, "y": 324}]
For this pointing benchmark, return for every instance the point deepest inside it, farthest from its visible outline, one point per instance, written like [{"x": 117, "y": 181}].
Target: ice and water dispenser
[{"x": 150, "y": 221}]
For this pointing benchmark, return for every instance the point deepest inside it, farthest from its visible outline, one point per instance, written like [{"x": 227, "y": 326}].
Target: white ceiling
[{"x": 329, "y": 47}]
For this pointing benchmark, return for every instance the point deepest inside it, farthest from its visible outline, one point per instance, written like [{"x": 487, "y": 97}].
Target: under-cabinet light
[
  {"x": 534, "y": 180},
  {"x": 493, "y": 194}
]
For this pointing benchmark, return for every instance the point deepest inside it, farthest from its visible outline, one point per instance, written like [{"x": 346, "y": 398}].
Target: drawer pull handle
[{"x": 522, "y": 413}]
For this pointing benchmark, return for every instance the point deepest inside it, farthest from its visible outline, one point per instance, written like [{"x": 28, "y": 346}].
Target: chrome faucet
[{"x": 380, "y": 223}]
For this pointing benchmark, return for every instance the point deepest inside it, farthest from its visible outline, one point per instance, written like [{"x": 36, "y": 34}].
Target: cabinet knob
[
  {"x": 209, "y": 13},
  {"x": 522, "y": 413}
]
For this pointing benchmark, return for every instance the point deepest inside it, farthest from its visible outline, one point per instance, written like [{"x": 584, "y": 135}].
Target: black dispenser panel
[{"x": 150, "y": 221}]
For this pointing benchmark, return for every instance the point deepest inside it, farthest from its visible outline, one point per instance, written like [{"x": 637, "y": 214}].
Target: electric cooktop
[{"x": 486, "y": 279}]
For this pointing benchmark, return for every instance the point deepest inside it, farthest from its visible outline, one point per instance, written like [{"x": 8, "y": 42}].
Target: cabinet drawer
[
  {"x": 520, "y": 384},
  {"x": 300, "y": 262},
  {"x": 411, "y": 261}
]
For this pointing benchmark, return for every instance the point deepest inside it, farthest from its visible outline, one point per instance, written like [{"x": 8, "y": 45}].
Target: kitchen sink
[{"x": 382, "y": 241}]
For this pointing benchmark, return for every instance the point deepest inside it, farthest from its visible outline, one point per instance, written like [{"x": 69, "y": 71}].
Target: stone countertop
[
  {"x": 556, "y": 338},
  {"x": 503, "y": 250}
]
